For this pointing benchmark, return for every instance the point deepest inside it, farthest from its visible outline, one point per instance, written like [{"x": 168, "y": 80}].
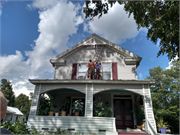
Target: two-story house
[{"x": 119, "y": 88}]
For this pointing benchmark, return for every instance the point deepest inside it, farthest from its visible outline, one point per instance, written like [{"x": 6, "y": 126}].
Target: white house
[
  {"x": 119, "y": 87},
  {"x": 12, "y": 114}
]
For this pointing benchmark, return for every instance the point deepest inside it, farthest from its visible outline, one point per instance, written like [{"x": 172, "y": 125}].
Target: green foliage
[
  {"x": 33, "y": 130},
  {"x": 22, "y": 102},
  {"x": 52, "y": 103},
  {"x": 58, "y": 130},
  {"x": 15, "y": 128},
  {"x": 139, "y": 114},
  {"x": 161, "y": 18},
  {"x": 65, "y": 105},
  {"x": 7, "y": 125},
  {"x": 19, "y": 128},
  {"x": 93, "y": 134},
  {"x": 165, "y": 94},
  {"x": 161, "y": 123},
  {"x": 78, "y": 106},
  {"x": 79, "y": 133},
  {"x": 101, "y": 109},
  {"x": 31, "y": 95},
  {"x": 44, "y": 105},
  {"x": 6, "y": 89}
]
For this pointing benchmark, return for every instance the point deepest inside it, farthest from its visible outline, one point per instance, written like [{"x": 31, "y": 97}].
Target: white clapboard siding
[
  {"x": 35, "y": 100},
  {"x": 149, "y": 109},
  {"x": 82, "y": 124},
  {"x": 89, "y": 103}
]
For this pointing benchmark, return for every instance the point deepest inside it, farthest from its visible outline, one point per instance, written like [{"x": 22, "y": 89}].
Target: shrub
[
  {"x": 15, "y": 128},
  {"x": 101, "y": 109},
  {"x": 19, "y": 127}
]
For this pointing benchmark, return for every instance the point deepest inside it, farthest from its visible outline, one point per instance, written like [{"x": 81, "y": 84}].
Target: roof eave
[{"x": 53, "y": 81}]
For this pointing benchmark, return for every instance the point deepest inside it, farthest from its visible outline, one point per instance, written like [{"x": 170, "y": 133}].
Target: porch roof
[{"x": 38, "y": 81}]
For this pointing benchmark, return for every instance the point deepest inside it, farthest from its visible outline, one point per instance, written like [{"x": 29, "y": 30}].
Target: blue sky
[{"x": 32, "y": 32}]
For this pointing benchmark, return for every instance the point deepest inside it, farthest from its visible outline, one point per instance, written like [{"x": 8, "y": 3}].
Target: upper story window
[
  {"x": 82, "y": 71},
  {"x": 106, "y": 69}
]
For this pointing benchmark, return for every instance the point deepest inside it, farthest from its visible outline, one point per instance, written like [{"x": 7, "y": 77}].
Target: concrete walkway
[{"x": 131, "y": 131}]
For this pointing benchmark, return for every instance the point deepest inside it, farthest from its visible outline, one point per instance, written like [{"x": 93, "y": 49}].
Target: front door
[{"x": 123, "y": 113}]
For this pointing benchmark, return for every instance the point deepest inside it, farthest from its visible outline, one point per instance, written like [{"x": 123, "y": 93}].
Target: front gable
[
  {"x": 92, "y": 41},
  {"x": 79, "y": 54}
]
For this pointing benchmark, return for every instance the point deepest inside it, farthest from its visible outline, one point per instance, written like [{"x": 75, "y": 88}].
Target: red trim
[
  {"x": 114, "y": 71},
  {"x": 74, "y": 71}
]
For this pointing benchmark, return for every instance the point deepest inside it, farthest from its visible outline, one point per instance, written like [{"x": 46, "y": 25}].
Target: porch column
[
  {"x": 35, "y": 100},
  {"x": 89, "y": 101},
  {"x": 148, "y": 108}
]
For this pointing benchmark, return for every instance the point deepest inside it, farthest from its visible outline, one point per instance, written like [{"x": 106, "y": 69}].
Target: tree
[
  {"x": 6, "y": 89},
  {"x": 31, "y": 95},
  {"x": 165, "y": 94},
  {"x": 22, "y": 102},
  {"x": 161, "y": 18}
]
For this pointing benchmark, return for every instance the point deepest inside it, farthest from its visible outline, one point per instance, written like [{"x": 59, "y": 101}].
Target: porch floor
[{"x": 129, "y": 131}]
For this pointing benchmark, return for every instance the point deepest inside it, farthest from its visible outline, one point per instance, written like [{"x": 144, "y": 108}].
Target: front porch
[{"x": 114, "y": 93}]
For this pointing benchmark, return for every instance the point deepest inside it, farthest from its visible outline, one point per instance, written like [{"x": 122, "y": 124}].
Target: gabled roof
[
  {"x": 13, "y": 110},
  {"x": 95, "y": 39}
]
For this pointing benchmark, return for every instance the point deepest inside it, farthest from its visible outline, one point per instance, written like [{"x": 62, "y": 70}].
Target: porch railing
[{"x": 149, "y": 128}]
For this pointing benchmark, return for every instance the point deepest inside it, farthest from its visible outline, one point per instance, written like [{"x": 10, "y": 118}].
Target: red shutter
[
  {"x": 74, "y": 71},
  {"x": 114, "y": 71}
]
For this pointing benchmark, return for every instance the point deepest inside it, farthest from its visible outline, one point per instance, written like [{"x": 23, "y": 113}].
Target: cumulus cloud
[
  {"x": 170, "y": 63},
  {"x": 140, "y": 76},
  {"x": 58, "y": 21},
  {"x": 115, "y": 26}
]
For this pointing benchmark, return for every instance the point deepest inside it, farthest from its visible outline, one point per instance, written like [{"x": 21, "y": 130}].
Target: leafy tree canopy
[
  {"x": 6, "y": 89},
  {"x": 161, "y": 18},
  {"x": 22, "y": 102},
  {"x": 165, "y": 94}
]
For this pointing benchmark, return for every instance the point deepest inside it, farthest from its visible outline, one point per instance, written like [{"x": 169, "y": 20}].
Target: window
[
  {"x": 106, "y": 70},
  {"x": 82, "y": 70}
]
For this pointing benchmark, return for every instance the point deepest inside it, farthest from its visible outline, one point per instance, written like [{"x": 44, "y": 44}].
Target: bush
[
  {"x": 19, "y": 127},
  {"x": 101, "y": 109},
  {"x": 15, "y": 128},
  {"x": 33, "y": 130}
]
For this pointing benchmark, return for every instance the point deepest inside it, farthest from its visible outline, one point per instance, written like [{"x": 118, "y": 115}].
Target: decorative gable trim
[
  {"x": 132, "y": 61},
  {"x": 60, "y": 62},
  {"x": 92, "y": 41}
]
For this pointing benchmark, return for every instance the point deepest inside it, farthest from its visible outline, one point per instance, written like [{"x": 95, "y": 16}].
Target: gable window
[
  {"x": 106, "y": 71},
  {"x": 82, "y": 71}
]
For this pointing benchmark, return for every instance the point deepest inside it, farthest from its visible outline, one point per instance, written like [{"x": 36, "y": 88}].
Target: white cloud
[
  {"x": 115, "y": 26},
  {"x": 0, "y": 9},
  {"x": 44, "y": 4},
  {"x": 140, "y": 76},
  {"x": 58, "y": 21},
  {"x": 170, "y": 63}
]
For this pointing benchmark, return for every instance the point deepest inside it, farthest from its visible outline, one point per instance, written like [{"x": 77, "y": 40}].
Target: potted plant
[
  {"x": 101, "y": 108},
  {"x": 52, "y": 103},
  {"x": 43, "y": 106},
  {"x": 139, "y": 116},
  {"x": 64, "y": 106},
  {"x": 78, "y": 107},
  {"x": 162, "y": 125}
]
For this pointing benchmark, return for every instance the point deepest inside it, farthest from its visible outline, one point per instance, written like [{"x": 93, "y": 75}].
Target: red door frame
[{"x": 123, "y": 123}]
